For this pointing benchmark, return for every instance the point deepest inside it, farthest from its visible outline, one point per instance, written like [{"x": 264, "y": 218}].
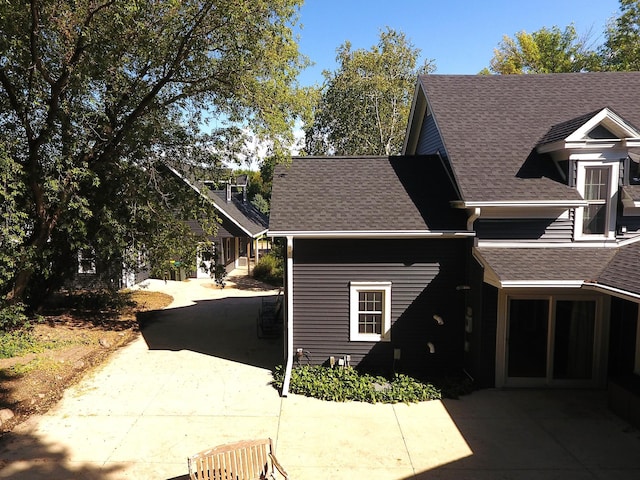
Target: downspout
[
  {"x": 289, "y": 295},
  {"x": 472, "y": 218}
]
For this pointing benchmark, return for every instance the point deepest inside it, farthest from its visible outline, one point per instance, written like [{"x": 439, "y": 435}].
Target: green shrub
[
  {"x": 13, "y": 317},
  {"x": 269, "y": 269},
  {"x": 345, "y": 384}
]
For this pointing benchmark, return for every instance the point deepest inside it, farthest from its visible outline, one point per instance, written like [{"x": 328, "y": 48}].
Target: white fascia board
[
  {"x": 215, "y": 205},
  {"x": 373, "y": 234},
  {"x": 573, "y": 244},
  {"x": 418, "y": 106},
  {"x": 521, "y": 203},
  {"x": 610, "y": 120},
  {"x": 629, "y": 241},
  {"x": 542, "y": 283},
  {"x": 616, "y": 292}
]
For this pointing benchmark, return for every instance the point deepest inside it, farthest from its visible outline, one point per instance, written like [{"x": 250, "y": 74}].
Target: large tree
[
  {"x": 94, "y": 94},
  {"x": 363, "y": 106},
  {"x": 548, "y": 50},
  {"x": 621, "y": 49}
]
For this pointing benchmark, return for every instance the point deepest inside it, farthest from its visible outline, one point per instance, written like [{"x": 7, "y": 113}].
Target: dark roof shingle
[
  {"x": 348, "y": 194},
  {"x": 491, "y": 124},
  {"x": 546, "y": 264},
  {"x": 623, "y": 271}
]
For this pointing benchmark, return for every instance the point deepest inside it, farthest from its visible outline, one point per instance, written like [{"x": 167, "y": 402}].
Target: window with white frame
[
  {"x": 596, "y": 183},
  {"x": 596, "y": 192},
  {"x": 370, "y": 311}
]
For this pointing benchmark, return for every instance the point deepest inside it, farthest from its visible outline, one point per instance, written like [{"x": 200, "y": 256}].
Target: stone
[
  {"x": 6, "y": 415},
  {"x": 104, "y": 343}
]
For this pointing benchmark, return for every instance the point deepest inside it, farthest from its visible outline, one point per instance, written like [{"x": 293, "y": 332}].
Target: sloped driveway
[{"x": 199, "y": 376}]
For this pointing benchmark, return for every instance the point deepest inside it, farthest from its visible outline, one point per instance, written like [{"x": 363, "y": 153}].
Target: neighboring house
[
  {"x": 241, "y": 223},
  {"x": 505, "y": 242}
]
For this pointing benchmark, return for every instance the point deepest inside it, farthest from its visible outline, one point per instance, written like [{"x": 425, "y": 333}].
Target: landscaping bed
[{"x": 71, "y": 338}]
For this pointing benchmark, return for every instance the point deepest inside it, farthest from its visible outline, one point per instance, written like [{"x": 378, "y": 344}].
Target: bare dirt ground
[{"x": 76, "y": 342}]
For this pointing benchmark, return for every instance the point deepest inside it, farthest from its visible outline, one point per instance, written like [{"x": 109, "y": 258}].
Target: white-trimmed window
[
  {"x": 370, "y": 311},
  {"x": 87, "y": 261},
  {"x": 597, "y": 183}
]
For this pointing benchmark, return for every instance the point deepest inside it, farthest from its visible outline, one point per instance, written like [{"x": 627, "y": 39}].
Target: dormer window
[
  {"x": 595, "y": 182},
  {"x": 596, "y": 192}
]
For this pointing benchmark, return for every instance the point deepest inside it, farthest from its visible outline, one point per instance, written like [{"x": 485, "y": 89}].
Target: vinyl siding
[
  {"x": 430, "y": 141},
  {"x": 542, "y": 229},
  {"x": 424, "y": 276}
]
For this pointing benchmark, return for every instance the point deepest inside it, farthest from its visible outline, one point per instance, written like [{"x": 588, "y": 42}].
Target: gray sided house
[
  {"x": 241, "y": 223},
  {"x": 377, "y": 261},
  {"x": 529, "y": 277}
]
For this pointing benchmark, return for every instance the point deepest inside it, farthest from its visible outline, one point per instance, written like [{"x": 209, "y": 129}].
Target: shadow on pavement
[
  {"x": 31, "y": 459},
  {"x": 224, "y": 328},
  {"x": 535, "y": 434}
]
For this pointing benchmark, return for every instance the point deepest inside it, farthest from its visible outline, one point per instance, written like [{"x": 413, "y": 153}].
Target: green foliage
[
  {"x": 95, "y": 98},
  {"x": 363, "y": 106},
  {"x": 261, "y": 203},
  {"x": 543, "y": 51},
  {"x": 270, "y": 268},
  {"x": 16, "y": 343},
  {"x": 13, "y": 317},
  {"x": 346, "y": 384},
  {"x": 621, "y": 49},
  {"x": 551, "y": 50},
  {"x": 220, "y": 275}
]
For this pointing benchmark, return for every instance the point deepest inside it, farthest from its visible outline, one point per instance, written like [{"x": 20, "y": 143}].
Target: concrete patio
[{"x": 198, "y": 376}]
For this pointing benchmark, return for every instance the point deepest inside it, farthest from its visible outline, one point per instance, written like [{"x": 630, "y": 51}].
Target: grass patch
[
  {"x": 17, "y": 343},
  {"x": 20, "y": 369},
  {"x": 347, "y": 384},
  {"x": 23, "y": 342}
]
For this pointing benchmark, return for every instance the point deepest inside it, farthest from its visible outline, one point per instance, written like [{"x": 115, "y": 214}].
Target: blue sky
[{"x": 459, "y": 35}]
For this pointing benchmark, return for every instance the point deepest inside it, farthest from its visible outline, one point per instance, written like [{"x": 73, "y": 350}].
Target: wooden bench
[{"x": 245, "y": 460}]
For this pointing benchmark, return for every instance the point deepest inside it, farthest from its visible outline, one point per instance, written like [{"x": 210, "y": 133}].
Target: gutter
[
  {"x": 289, "y": 311},
  {"x": 372, "y": 234},
  {"x": 472, "y": 218},
  {"x": 616, "y": 292}
]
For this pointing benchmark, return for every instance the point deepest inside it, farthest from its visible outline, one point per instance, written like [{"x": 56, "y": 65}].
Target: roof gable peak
[{"x": 600, "y": 128}]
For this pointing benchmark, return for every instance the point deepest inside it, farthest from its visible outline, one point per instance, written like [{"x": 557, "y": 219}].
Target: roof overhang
[
  {"x": 521, "y": 203},
  {"x": 215, "y": 205},
  {"x": 616, "y": 292},
  {"x": 419, "y": 108},
  {"x": 372, "y": 234}
]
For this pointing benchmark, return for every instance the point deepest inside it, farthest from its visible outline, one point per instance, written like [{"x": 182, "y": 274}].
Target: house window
[
  {"x": 370, "y": 311},
  {"x": 87, "y": 261},
  {"x": 596, "y": 192},
  {"x": 596, "y": 182}
]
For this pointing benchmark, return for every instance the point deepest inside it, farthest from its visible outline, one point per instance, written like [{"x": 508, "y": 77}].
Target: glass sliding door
[
  {"x": 528, "y": 332},
  {"x": 551, "y": 340},
  {"x": 574, "y": 339}
]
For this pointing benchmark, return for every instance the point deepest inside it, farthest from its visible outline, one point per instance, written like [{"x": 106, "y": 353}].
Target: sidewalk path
[{"x": 198, "y": 376}]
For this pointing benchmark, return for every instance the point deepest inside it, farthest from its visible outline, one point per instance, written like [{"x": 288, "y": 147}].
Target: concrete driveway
[{"x": 199, "y": 376}]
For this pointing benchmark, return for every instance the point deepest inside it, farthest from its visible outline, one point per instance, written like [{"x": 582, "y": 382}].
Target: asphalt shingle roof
[
  {"x": 491, "y": 124},
  {"x": 547, "y": 264},
  {"x": 623, "y": 271},
  {"x": 242, "y": 212},
  {"x": 347, "y": 194}
]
